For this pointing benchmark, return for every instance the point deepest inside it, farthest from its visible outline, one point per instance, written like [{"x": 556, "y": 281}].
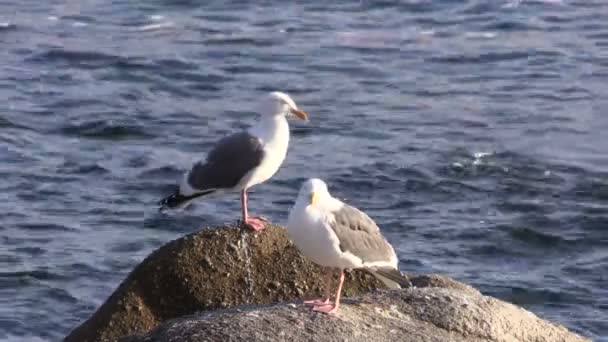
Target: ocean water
[{"x": 474, "y": 132}]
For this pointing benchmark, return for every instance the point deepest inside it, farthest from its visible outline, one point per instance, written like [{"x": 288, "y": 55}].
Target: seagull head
[
  {"x": 285, "y": 105},
  {"x": 312, "y": 191}
]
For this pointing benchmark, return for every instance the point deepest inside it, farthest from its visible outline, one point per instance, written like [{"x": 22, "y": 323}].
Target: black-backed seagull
[{"x": 241, "y": 160}]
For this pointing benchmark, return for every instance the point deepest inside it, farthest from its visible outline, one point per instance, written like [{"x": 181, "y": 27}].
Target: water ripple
[{"x": 110, "y": 130}]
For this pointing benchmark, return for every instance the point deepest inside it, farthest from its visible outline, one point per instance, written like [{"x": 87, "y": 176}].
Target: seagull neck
[
  {"x": 271, "y": 127},
  {"x": 333, "y": 203},
  {"x": 328, "y": 202}
]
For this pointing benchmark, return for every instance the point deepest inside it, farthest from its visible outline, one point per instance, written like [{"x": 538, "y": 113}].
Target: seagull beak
[
  {"x": 313, "y": 198},
  {"x": 299, "y": 114}
]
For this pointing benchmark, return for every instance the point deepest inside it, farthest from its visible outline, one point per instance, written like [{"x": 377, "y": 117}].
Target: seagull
[
  {"x": 338, "y": 236},
  {"x": 241, "y": 160}
]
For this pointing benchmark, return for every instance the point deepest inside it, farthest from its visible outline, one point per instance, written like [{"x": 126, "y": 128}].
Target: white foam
[
  {"x": 516, "y": 3},
  {"x": 52, "y": 18},
  {"x": 485, "y": 35},
  {"x": 153, "y": 27},
  {"x": 79, "y": 24},
  {"x": 157, "y": 17},
  {"x": 512, "y": 4},
  {"x": 479, "y": 155}
]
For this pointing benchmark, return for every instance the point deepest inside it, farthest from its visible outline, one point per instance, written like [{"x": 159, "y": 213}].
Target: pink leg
[
  {"x": 329, "y": 308},
  {"x": 328, "y": 275},
  {"x": 254, "y": 223}
]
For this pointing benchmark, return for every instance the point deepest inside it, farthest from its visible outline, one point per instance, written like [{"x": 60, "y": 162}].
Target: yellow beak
[
  {"x": 299, "y": 114},
  {"x": 313, "y": 198}
]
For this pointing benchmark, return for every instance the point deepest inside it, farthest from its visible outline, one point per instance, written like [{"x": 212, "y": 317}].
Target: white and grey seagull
[
  {"x": 338, "y": 236},
  {"x": 241, "y": 160}
]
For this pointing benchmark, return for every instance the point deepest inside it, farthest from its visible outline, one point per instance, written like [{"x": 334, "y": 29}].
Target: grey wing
[
  {"x": 359, "y": 235},
  {"x": 227, "y": 163}
]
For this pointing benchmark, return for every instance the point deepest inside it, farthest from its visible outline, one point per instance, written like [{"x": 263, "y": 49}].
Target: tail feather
[
  {"x": 177, "y": 200},
  {"x": 392, "y": 277}
]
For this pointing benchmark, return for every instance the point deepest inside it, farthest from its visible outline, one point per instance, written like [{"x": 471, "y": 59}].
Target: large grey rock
[
  {"x": 429, "y": 314},
  {"x": 207, "y": 270},
  {"x": 229, "y": 267}
]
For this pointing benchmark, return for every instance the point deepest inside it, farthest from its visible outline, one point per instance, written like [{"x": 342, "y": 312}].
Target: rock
[
  {"x": 429, "y": 314},
  {"x": 215, "y": 285},
  {"x": 208, "y": 270}
]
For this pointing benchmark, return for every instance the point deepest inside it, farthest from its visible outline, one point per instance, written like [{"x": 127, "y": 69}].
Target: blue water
[{"x": 474, "y": 132}]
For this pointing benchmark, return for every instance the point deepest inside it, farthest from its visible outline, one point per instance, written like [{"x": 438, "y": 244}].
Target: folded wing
[
  {"x": 360, "y": 236},
  {"x": 232, "y": 158}
]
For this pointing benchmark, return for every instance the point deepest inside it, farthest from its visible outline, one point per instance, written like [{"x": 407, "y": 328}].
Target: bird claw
[
  {"x": 329, "y": 309},
  {"x": 255, "y": 224},
  {"x": 261, "y": 218}
]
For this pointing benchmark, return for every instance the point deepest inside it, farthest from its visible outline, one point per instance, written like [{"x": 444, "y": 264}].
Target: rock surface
[
  {"x": 430, "y": 314},
  {"x": 235, "y": 272},
  {"x": 208, "y": 270}
]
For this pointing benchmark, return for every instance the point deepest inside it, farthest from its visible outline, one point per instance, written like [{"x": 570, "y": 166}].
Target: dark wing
[
  {"x": 227, "y": 163},
  {"x": 359, "y": 235}
]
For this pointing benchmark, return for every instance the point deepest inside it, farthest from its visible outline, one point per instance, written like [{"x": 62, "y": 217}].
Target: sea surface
[{"x": 475, "y": 133}]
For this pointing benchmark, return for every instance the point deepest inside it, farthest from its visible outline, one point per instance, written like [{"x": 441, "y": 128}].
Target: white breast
[
  {"x": 274, "y": 135},
  {"x": 313, "y": 238}
]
